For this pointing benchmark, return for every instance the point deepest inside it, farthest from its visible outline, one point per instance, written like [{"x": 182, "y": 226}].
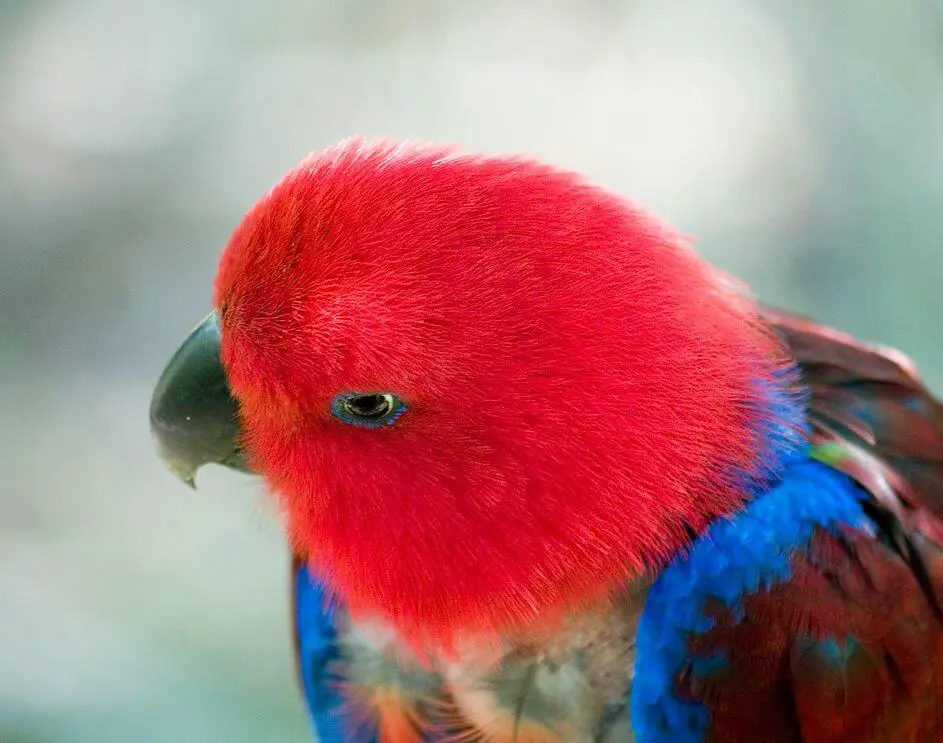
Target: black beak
[{"x": 194, "y": 418}]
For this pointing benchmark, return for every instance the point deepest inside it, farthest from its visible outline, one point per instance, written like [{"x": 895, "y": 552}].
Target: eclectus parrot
[{"x": 549, "y": 476}]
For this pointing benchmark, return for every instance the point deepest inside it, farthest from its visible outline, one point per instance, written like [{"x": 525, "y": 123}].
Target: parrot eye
[{"x": 368, "y": 409}]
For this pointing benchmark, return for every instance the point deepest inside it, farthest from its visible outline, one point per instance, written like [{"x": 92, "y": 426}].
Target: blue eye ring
[{"x": 368, "y": 409}]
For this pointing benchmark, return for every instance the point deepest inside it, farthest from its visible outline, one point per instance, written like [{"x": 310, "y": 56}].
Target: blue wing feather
[
  {"x": 318, "y": 654},
  {"x": 734, "y": 558}
]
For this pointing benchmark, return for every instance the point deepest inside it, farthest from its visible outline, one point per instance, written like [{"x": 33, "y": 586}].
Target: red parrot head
[{"x": 483, "y": 389}]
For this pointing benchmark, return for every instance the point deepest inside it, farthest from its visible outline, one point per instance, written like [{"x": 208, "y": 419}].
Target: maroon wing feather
[
  {"x": 850, "y": 649},
  {"x": 872, "y": 399}
]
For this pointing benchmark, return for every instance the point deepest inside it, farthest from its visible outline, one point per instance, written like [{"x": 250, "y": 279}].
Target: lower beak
[{"x": 194, "y": 417}]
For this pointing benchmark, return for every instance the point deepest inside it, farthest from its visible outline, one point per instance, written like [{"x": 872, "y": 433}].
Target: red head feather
[{"x": 582, "y": 389}]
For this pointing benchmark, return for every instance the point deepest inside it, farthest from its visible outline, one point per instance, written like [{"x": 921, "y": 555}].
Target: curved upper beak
[{"x": 194, "y": 417}]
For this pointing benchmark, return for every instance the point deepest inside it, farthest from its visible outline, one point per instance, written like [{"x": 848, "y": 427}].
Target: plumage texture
[
  {"x": 752, "y": 554},
  {"x": 360, "y": 685},
  {"x": 811, "y": 616},
  {"x": 838, "y": 637},
  {"x": 589, "y": 408},
  {"x": 584, "y": 391}
]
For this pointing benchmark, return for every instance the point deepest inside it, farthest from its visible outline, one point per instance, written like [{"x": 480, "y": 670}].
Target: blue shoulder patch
[
  {"x": 318, "y": 657},
  {"x": 746, "y": 554}
]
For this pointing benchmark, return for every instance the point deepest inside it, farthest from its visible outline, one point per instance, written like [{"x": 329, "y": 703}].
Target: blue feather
[
  {"x": 748, "y": 553},
  {"x": 318, "y": 654}
]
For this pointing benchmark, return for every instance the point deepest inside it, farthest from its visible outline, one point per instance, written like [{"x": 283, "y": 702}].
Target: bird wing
[
  {"x": 869, "y": 402},
  {"x": 816, "y": 617}
]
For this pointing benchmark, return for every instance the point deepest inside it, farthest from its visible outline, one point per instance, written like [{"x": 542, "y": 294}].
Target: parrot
[{"x": 547, "y": 475}]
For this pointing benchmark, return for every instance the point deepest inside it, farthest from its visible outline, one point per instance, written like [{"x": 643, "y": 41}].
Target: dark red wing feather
[
  {"x": 872, "y": 398},
  {"x": 850, "y": 649},
  {"x": 879, "y": 682}
]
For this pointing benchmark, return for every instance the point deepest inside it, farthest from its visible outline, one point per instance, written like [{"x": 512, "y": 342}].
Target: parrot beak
[{"x": 194, "y": 418}]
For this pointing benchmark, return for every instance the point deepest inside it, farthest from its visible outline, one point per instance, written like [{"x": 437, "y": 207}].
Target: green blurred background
[{"x": 802, "y": 142}]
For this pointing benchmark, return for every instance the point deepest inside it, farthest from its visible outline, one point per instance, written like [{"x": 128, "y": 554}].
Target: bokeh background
[{"x": 801, "y": 141}]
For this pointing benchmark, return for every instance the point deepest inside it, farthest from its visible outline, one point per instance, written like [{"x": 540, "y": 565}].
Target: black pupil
[{"x": 369, "y": 406}]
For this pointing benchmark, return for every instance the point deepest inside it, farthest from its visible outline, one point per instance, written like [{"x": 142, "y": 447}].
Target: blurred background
[{"x": 801, "y": 142}]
